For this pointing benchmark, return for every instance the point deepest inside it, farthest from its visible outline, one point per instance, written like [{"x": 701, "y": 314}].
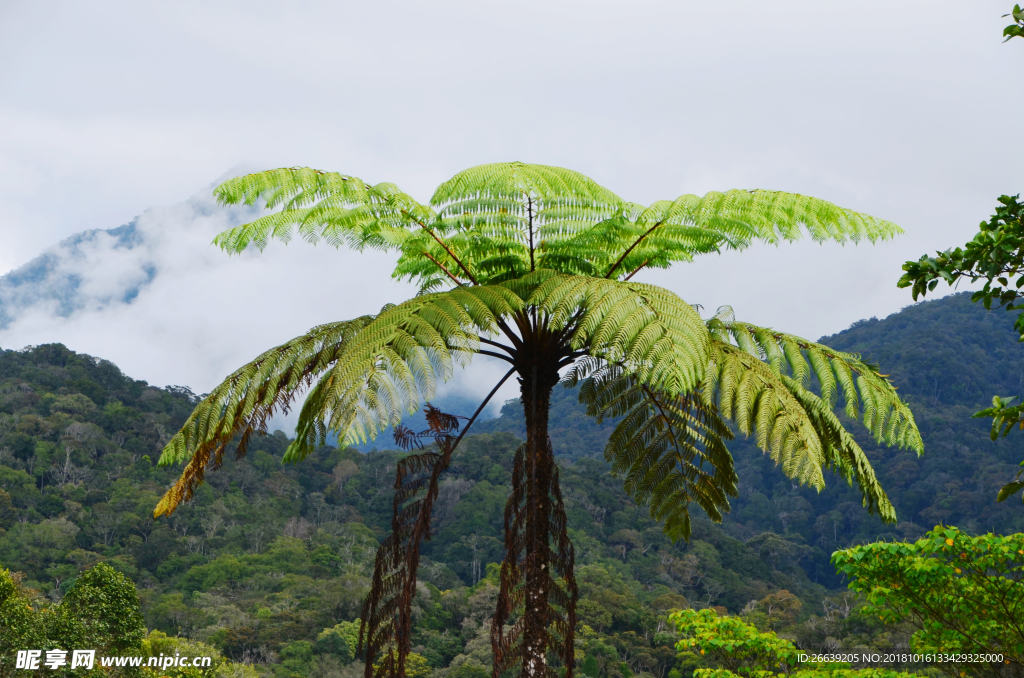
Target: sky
[{"x": 111, "y": 110}]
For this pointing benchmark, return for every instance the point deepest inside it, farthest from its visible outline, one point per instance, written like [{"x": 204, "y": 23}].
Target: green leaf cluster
[
  {"x": 963, "y": 594},
  {"x": 736, "y": 648},
  {"x": 995, "y": 255},
  {"x": 1016, "y": 29},
  {"x": 100, "y": 612}
]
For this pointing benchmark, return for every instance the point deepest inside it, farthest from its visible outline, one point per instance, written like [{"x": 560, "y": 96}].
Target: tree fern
[{"x": 532, "y": 265}]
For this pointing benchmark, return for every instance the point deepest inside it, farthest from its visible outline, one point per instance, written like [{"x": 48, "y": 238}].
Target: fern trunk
[
  {"x": 536, "y": 611},
  {"x": 536, "y": 396}
]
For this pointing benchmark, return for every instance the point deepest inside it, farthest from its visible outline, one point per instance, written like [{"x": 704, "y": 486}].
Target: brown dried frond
[
  {"x": 387, "y": 612},
  {"x": 441, "y": 422},
  {"x": 406, "y": 439}
]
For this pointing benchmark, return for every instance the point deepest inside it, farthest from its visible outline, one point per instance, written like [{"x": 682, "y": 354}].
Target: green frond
[
  {"x": 676, "y": 230},
  {"x": 363, "y": 376},
  {"x": 242, "y": 403},
  {"x": 750, "y": 393},
  {"x": 760, "y": 378},
  {"x": 670, "y": 450},
  {"x": 844, "y": 455},
  {"x": 868, "y": 394},
  {"x": 481, "y": 187},
  {"x": 335, "y": 208},
  {"x": 741, "y": 216},
  {"x": 652, "y": 333},
  {"x": 492, "y": 215},
  {"x": 293, "y": 187},
  {"x": 394, "y": 360}
]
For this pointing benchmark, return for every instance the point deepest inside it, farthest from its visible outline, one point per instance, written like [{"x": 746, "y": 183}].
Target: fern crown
[
  {"x": 497, "y": 222},
  {"x": 541, "y": 258}
]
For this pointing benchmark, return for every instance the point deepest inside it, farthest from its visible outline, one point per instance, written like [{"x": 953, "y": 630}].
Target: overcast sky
[{"x": 903, "y": 109}]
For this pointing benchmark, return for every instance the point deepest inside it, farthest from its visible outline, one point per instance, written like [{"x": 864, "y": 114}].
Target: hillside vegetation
[{"x": 269, "y": 563}]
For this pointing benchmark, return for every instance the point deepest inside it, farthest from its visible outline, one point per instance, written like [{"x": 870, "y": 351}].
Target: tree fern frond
[
  {"x": 669, "y": 449},
  {"x": 339, "y": 209},
  {"x": 844, "y": 455},
  {"x": 750, "y": 393},
  {"x": 478, "y": 186},
  {"x": 396, "y": 358},
  {"x": 677, "y": 230},
  {"x": 654, "y": 334},
  {"x": 294, "y": 186},
  {"x": 243, "y": 403},
  {"x": 797, "y": 427},
  {"x": 365, "y": 375},
  {"x": 771, "y": 216},
  {"x": 869, "y": 393}
]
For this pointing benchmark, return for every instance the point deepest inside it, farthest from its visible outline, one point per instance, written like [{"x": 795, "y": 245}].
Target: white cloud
[
  {"x": 173, "y": 309},
  {"x": 901, "y": 110}
]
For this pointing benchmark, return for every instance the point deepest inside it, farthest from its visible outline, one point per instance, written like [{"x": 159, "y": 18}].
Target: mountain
[
  {"x": 55, "y": 278},
  {"x": 948, "y": 358},
  {"x": 156, "y": 297},
  {"x": 270, "y": 562}
]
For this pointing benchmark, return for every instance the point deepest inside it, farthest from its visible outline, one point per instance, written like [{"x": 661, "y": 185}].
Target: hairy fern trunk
[
  {"x": 536, "y": 396},
  {"x": 538, "y": 594}
]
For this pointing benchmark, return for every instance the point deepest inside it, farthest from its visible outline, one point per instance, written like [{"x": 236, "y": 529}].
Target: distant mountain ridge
[
  {"x": 55, "y": 277},
  {"x": 947, "y": 357}
]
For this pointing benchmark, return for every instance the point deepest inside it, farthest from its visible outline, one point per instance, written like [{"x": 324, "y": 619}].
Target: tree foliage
[
  {"x": 100, "y": 612},
  {"x": 736, "y": 648},
  {"x": 1016, "y": 29},
  {"x": 996, "y": 256},
  {"x": 963, "y": 594}
]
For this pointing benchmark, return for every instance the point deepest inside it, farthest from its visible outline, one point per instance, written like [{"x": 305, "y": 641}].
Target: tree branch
[
  {"x": 529, "y": 216},
  {"x": 503, "y": 347},
  {"x": 516, "y": 341},
  {"x": 481, "y": 408},
  {"x": 499, "y": 356},
  {"x": 636, "y": 270}
]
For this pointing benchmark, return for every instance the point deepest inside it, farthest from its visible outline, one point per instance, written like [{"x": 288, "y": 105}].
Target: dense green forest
[{"x": 269, "y": 563}]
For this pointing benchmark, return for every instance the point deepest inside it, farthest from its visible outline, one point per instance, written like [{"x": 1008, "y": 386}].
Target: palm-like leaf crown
[
  {"x": 544, "y": 254},
  {"x": 496, "y": 222}
]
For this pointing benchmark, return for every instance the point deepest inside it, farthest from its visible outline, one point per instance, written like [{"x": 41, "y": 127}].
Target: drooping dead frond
[{"x": 387, "y": 612}]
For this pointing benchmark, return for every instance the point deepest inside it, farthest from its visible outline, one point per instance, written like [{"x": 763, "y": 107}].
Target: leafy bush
[
  {"x": 739, "y": 649},
  {"x": 964, "y": 594}
]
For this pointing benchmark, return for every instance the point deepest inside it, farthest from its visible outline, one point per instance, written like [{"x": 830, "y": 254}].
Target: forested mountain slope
[{"x": 268, "y": 557}]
